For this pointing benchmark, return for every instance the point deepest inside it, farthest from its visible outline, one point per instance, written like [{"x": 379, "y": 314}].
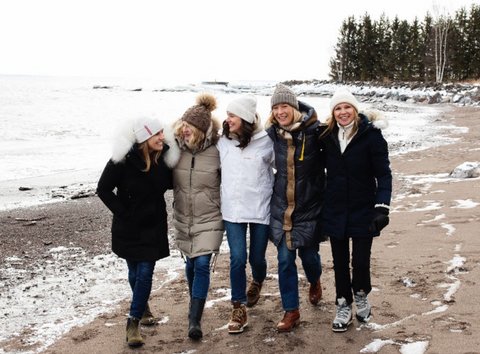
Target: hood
[
  {"x": 377, "y": 118},
  {"x": 124, "y": 139}
]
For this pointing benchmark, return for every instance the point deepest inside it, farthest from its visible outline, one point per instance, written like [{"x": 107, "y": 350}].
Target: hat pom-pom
[{"x": 208, "y": 101}]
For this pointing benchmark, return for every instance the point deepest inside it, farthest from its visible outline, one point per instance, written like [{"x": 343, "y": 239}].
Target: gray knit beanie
[{"x": 284, "y": 94}]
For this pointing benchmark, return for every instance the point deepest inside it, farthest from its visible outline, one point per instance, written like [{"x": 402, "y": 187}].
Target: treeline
[{"x": 441, "y": 48}]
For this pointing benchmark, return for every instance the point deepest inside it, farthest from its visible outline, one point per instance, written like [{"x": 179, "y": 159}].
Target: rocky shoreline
[{"x": 461, "y": 94}]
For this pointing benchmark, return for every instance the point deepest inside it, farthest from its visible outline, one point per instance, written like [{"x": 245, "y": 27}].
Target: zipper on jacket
[{"x": 192, "y": 165}]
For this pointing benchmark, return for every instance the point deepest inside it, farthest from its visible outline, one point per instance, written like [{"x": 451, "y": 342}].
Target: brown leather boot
[
  {"x": 290, "y": 320},
  {"x": 315, "y": 292},
  {"x": 238, "y": 318},
  {"x": 253, "y": 293}
]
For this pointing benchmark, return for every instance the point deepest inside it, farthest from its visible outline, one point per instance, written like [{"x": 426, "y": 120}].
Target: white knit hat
[
  {"x": 145, "y": 127},
  {"x": 244, "y": 107},
  {"x": 342, "y": 95}
]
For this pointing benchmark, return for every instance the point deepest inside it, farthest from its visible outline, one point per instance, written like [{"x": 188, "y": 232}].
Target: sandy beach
[{"x": 425, "y": 271}]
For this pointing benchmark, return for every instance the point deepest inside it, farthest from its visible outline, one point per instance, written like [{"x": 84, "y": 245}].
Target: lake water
[{"x": 57, "y": 130}]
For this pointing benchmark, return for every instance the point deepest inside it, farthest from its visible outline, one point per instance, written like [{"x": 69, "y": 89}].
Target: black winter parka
[
  {"x": 139, "y": 225},
  {"x": 299, "y": 182},
  {"x": 357, "y": 180}
]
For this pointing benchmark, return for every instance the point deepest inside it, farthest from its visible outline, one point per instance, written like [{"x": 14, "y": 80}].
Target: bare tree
[{"x": 442, "y": 23}]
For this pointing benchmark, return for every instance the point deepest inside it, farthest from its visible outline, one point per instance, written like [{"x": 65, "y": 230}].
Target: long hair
[
  {"x": 245, "y": 134},
  {"x": 332, "y": 125},
  {"x": 149, "y": 158},
  {"x": 197, "y": 138}
]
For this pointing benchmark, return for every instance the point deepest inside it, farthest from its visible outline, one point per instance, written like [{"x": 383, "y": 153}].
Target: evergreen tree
[
  {"x": 384, "y": 39},
  {"x": 436, "y": 49},
  {"x": 367, "y": 50},
  {"x": 417, "y": 48},
  {"x": 345, "y": 66},
  {"x": 473, "y": 39},
  {"x": 428, "y": 45}
]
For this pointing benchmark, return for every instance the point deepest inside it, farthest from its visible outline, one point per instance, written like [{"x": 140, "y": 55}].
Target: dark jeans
[
  {"x": 237, "y": 241},
  {"x": 140, "y": 276},
  {"x": 197, "y": 271},
  {"x": 287, "y": 271},
  {"x": 360, "y": 279}
]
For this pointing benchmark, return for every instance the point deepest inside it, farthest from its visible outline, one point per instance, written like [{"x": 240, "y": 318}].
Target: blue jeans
[
  {"x": 237, "y": 241},
  {"x": 197, "y": 270},
  {"x": 140, "y": 276},
  {"x": 287, "y": 271}
]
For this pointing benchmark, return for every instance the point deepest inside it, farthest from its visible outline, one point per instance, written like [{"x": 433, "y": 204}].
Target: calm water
[{"x": 53, "y": 125}]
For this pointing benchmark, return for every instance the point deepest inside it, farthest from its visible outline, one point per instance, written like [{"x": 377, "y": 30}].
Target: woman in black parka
[
  {"x": 132, "y": 186},
  {"x": 297, "y": 198},
  {"x": 357, "y": 198}
]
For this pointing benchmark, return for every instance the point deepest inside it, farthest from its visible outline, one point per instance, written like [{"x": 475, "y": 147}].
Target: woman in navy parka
[{"x": 357, "y": 198}]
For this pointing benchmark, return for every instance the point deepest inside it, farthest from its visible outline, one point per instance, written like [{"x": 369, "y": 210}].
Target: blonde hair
[
  {"x": 332, "y": 123},
  {"x": 149, "y": 158},
  {"x": 196, "y": 139}
]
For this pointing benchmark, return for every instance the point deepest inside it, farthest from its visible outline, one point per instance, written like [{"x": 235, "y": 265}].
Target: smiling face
[
  {"x": 187, "y": 131},
  {"x": 283, "y": 113},
  {"x": 344, "y": 114},
  {"x": 234, "y": 123},
  {"x": 155, "y": 142}
]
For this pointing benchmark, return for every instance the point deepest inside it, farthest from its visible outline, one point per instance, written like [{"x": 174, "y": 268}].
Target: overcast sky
[{"x": 185, "y": 41}]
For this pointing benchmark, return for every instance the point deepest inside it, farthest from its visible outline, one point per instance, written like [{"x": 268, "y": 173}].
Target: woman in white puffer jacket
[{"x": 247, "y": 159}]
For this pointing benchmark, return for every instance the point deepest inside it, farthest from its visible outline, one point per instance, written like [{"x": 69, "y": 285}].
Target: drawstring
[
  {"x": 303, "y": 148},
  {"x": 303, "y": 144},
  {"x": 214, "y": 262}
]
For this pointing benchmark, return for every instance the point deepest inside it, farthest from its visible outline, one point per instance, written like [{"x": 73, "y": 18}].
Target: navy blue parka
[{"x": 356, "y": 181}]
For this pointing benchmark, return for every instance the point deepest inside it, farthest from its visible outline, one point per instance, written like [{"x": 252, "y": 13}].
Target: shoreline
[{"x": 425, "y": 267}]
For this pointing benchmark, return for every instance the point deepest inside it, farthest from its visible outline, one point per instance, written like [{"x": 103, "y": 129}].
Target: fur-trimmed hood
[
  {"x": 124, "y": 139},
  {"x": 377, "y": 118}
]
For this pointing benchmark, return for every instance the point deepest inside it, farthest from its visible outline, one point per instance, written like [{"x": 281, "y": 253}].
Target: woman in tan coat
[{"x": 197, "y": 220}]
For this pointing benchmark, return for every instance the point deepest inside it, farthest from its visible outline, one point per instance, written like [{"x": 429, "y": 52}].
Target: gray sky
[{"x": 185, "y": 41}]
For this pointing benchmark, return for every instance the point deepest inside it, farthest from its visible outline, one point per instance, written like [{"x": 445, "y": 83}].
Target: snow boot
[
  {"x": 134, "y": 339},
  {"x": 147, "y": 317},
  {"x": 194, "y": 323}
]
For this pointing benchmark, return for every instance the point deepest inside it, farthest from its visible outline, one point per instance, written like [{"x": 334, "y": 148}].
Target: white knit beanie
[
  {"x": 342, "y": 95},
  {"x": 244, "y": 107},
  {"x": 145, "y": 127}
]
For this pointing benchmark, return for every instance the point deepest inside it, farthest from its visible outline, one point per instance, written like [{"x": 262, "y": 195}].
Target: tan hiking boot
[
  {"x": 147, "y": 318},
  {"x": 253, "y": 293},
  {"x": 134, "y": 339},
  {"x": 238, "y": 319}
]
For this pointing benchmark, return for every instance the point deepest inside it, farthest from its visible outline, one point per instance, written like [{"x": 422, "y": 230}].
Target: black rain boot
[
  {"x": 190, "y": 286},
  {"x": 194, "y": 325}
]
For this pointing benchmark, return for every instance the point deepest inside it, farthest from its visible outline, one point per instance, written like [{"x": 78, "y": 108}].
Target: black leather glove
[{"x": 380, "y": 220}]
